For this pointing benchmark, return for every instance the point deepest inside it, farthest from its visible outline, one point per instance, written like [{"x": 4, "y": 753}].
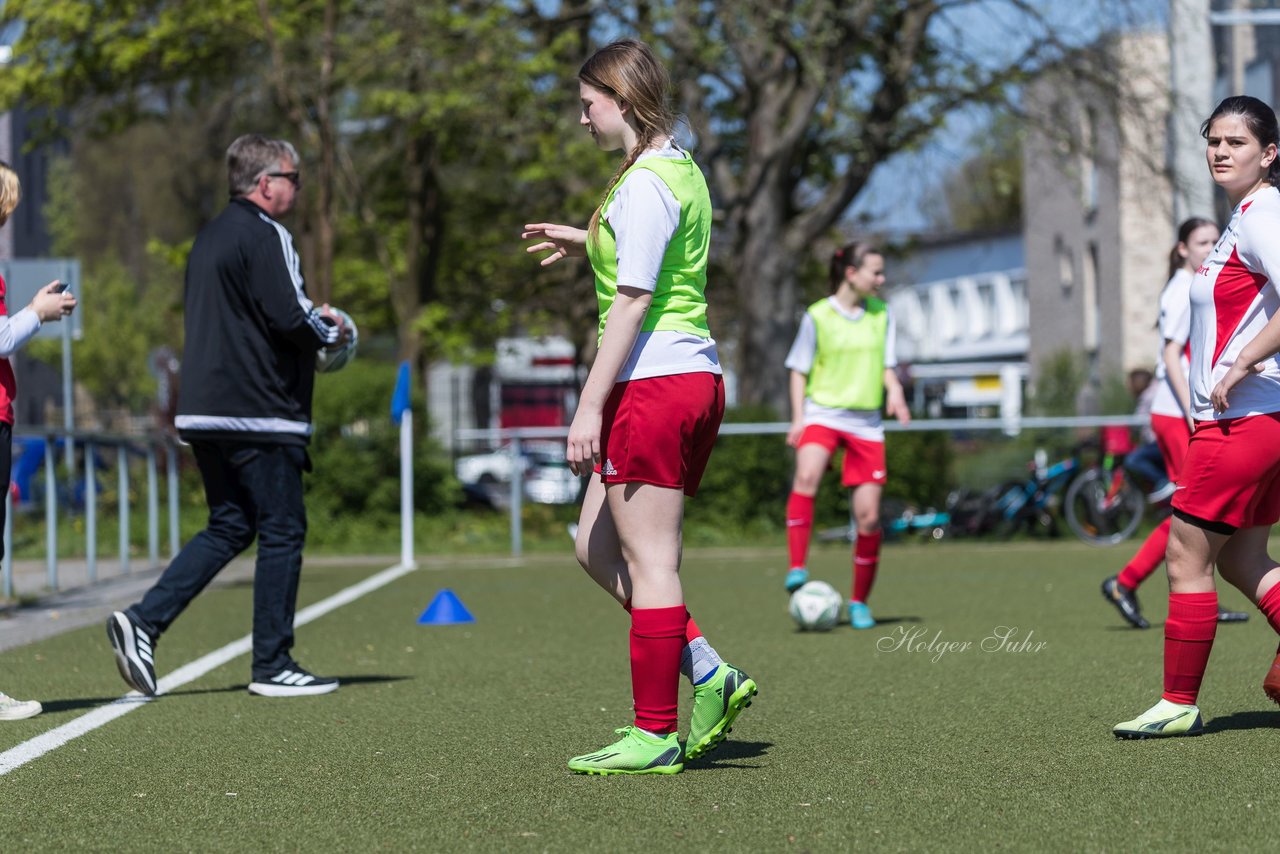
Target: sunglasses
[{"x": 294, "y": 177}]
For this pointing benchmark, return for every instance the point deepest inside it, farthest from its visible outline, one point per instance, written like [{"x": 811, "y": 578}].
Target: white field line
[{"x": 36, "y": 747}]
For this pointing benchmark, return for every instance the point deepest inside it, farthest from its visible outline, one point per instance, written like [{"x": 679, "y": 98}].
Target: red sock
[
  {"x": 866, "y": 560},
  {"x": 1269, "y": 605},
  {"x": 1188, "y": 640},
  {"x": 691, "y": 630},
  {"x": 657, "y": 639},
  {"x": 799, "y": 526},
  {"x": 1150, "y": 556}
]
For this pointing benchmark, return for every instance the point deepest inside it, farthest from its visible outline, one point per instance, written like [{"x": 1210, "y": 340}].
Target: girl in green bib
[
  {"x": 650, "y": 410},
  {"x": 842, "y": 371}
]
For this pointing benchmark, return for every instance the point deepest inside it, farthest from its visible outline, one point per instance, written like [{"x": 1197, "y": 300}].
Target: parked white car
[{"x": 546, "y": 476}]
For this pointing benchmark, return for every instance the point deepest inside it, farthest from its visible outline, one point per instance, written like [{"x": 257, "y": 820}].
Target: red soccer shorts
[
  {"x": 1231, "y": 474},
  {"x": 1172, "y": 435},
  {"x": 661, "y": 430},
  {"x": 863, "y": 458}
]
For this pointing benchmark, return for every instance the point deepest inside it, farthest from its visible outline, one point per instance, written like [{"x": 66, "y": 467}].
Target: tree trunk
[
  {"x": 327, "y": 141},
  {"x": 764, "y": 278}
]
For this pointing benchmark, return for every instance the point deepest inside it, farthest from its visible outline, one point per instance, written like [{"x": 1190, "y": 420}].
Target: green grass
[{"x": 455, "y": 738}]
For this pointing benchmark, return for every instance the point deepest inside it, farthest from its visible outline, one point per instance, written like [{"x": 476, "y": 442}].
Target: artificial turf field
[{"x": 448, "y": 738}]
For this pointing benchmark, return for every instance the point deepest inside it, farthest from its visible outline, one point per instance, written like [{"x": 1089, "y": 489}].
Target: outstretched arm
[{"x": 564, "y": 241}]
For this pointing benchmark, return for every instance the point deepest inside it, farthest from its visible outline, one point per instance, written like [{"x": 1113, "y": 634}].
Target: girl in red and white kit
[
  {"x": 1170, "y": 411},
  {"x": 1228, "y": 493}
]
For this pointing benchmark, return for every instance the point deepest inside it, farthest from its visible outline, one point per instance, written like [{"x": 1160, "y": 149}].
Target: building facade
[
  {"x": 1098, "y": 214},
  {"x": 961, "y": 317}
]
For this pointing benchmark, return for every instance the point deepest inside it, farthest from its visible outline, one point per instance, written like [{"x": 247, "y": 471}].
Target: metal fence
[
  {"x": 70, "y": 487},
  {"x": 511, "y": 441}
]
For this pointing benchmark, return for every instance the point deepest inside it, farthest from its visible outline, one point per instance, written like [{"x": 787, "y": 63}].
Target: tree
[
  {"x": 984, "y": 192},
  {"x": 794, "y": 104},
  {"x": 416, "y": 121}
]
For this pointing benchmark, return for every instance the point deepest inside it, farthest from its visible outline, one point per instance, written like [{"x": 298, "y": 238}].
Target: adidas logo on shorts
[{"x": 608, "y": 468}]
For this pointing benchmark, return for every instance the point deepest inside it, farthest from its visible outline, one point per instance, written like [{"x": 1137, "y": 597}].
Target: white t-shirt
[
  {"x": 644, "y": 215},
  {"x": 863, "y": 423},
  {"x": 1175, "y": 325},
  {"x": 1233, "y": 295}
]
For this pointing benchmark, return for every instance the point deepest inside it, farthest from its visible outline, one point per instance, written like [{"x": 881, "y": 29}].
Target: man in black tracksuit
[{"x": 248, "y": 371}]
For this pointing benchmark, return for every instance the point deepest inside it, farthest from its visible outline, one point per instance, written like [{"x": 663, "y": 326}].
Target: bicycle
[
  {"x": 1017, "y": 504},
  {"x": 1103, "y": 506}
]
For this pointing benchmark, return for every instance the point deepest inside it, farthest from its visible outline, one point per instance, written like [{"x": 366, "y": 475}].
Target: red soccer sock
[
  {"x": 1269, "y": 605},
  {"x": 691, "y": 630},
  {"x": 657, "y": 639},
  {"x": 1148, "y": 558},
  {"x": 866, "y": 560},
  {"x": 1188, "y": 640},
  {"x": 799, "y": 527}
]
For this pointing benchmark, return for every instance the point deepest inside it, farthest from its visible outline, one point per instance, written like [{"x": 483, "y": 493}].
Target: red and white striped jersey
[{"x": 1233, "y": 296}]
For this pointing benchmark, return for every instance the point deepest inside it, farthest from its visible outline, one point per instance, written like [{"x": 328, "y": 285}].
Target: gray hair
[{"x": 252, "y": 155}]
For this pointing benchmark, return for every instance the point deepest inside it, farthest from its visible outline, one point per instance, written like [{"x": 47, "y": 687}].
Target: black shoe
[
  {"x": 292, "y": 681},
  {"x": 1225, "y": 616},
  {"x": 135, "y": 652},
  {"x": 1126, "y": 603}
]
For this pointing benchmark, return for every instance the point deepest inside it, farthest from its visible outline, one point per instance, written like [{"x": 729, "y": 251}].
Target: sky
[{"x": 994, "y": 28}]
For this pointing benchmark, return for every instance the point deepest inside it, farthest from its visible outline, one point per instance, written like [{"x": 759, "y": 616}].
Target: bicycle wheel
[{"x": 1103, "y": 508}]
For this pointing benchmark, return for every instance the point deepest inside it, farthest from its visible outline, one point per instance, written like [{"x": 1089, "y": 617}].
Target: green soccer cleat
[
  {"x": 636, "y": 752},
  {"x": 1163, "y": 720},
  {"x": 717, "y": 702}
]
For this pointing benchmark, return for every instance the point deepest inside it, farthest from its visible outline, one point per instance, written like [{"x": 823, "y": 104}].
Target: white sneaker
[
  {"x": 16, "y": 710},
  {"x": 1162, "y": 720}
]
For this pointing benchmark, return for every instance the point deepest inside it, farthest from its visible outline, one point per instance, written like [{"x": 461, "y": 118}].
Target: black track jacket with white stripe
[{"x": 249, "y": 358}]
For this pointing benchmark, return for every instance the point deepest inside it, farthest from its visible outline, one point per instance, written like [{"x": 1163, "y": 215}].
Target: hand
[
  {"x": 49, "y": 305},
  {"x": 896, "y": 406},
  {"x": 582, "y": 450},
  {"x": 1238, "y": 371},
  {"x": 793, "y": 435},
  {"x": 567, "y": 241},
  {"x": 335, "y": 319}
]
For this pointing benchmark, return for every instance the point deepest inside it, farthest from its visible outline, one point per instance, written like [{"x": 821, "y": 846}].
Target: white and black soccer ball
[
  {"x": 328, "y": 361},
  {"x": 815, "y": 606}
]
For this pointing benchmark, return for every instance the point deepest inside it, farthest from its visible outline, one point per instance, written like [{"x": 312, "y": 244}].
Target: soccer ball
[
  {"x": 328, "y": 361},
  {"x": 816, "y": 606}
]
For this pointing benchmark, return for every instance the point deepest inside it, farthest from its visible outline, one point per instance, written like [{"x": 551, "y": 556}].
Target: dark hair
[
  {"x": 1139, "y": 379},
  {"x": 850, "y": 255},
  {"x": 1258, "y": 117},
  {"x": 1184, "y": 234}
]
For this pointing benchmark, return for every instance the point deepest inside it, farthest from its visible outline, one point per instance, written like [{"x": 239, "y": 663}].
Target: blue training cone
[{"x": 446, "y": 610}]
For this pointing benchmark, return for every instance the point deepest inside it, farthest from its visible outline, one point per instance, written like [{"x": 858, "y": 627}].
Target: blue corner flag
[
  {"x": 446, "y": 609},
  {"x": 400, "y": 398}
]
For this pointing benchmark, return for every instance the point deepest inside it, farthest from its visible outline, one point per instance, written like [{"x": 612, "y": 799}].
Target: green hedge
[
  {"x": 355, "y": 452},
  {"x": 749, "y": 478}
]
